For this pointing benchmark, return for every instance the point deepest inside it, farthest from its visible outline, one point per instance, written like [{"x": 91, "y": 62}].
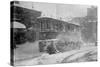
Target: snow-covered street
[{"x": 64, "y": 57}]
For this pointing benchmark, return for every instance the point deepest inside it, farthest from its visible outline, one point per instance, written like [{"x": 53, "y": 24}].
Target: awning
[{"x": 18, "y": 25}]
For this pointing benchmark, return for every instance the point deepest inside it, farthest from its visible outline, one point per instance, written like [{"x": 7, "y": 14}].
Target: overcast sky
[{"x": 57, "y": 10}]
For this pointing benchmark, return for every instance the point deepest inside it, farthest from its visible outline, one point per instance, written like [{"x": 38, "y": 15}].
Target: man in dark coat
[{"x": 51, "y": 49}]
